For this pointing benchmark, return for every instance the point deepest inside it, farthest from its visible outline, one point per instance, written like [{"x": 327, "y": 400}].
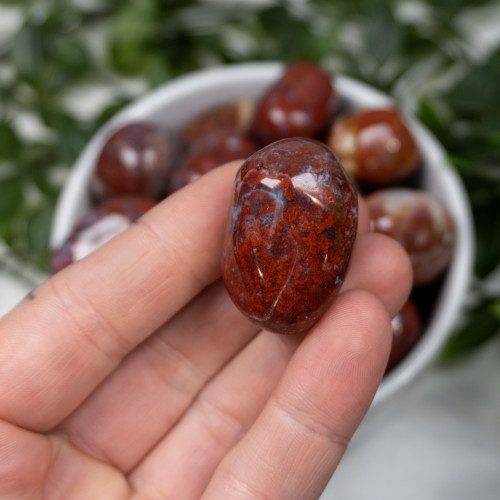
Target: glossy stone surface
[
  {"x": 406, "y": 331},
  {"x": 210, "y": 152},
  {"x": 375, "y": 146},
  {"x": 290, "y": 234},
  {"x": 233, "y": 116},
  {"x": 137, "y": 159},
  {"x": 98, "y": 226},
  {"x": 421, "y": 223},
  {"x": 299, "y": 104}
]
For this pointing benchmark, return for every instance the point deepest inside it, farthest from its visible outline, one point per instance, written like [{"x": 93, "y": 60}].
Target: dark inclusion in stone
[{"x": 290, "y": 234}]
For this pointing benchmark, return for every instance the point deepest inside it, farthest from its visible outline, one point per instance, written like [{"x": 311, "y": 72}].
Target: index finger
[
  {"x": 73, "y": 330},
  {"x": 297, "y": 441}
]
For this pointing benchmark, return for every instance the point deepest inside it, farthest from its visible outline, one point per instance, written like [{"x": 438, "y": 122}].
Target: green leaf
[
  {"x": 131, "y": 29},
  {"x": 41, "y": 178},
  {"x": 16, "y": 3},
  {"x": 484, "y": 193},
  {"x": 11, "y": 198},
  {"x": 495, "y": 309},
  {"x": 383, "y": 35},
  {"x": 285, "y": 35},
  {"x": 432, "y": 115},
  {"x": 72, "y": 134},
  {"x": 481, "y": 325},
  {"x": 26, "y": 53},
  {"x": 477, "y": 93},
  {"x": 9, "y": 142},
  {"x": 38, "y": 230}
]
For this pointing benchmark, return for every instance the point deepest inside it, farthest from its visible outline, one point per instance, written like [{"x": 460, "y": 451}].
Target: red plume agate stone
[{"x": 290, "y": 234}]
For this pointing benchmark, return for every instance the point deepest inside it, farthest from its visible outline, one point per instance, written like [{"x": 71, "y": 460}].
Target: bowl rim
[{"x": 458, "y": 278}]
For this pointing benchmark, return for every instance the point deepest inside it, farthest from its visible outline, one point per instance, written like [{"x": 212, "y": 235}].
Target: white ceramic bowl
[{"x": 177, "y": 101}]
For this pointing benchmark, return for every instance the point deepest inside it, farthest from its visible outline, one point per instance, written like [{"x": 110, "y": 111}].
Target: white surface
[{"x": 438, "y": 440}]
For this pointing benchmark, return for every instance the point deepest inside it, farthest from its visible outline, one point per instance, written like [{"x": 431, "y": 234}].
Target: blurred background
[{"x": 67, "y": 66}]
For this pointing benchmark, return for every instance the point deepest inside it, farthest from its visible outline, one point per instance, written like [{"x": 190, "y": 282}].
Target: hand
[{"x": 131, "y": 375}]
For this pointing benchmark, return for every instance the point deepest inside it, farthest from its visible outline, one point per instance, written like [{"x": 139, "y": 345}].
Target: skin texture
[{"x": 148, "y": 384}]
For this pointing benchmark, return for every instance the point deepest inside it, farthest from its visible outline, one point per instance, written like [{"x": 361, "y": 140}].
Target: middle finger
[{"x": 183, "y": 462}]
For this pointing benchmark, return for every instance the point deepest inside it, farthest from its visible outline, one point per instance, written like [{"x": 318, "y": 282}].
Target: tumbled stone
[
  {"x": 98, "y": 226},
  {"x": 421, "y": 223},
  {"x": 209, "y": 152},
  {"x": 299, "y": 103},
  {"x": 290, "y": 234},
  {"x": 375, "y": 146},
  {"x": 406, "y": 332}
]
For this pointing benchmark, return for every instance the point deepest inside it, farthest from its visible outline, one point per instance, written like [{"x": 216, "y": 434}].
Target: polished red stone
[
  {"x": 210, "y": 152},
  {"x": 406, "y": 331},
  {"x": 375, "y": 146},
  {"x": 298, "y": 104},
  {"x": 233, "y": 116},
  {"x": 421, "y": 223},
  {"x": 98, "y": 226},
  {"x": 290, "y": 234},
  {"x": 137, "y": 159}
]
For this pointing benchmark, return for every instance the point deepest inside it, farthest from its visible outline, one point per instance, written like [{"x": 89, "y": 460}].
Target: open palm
[{"x": 131, "y": 375}]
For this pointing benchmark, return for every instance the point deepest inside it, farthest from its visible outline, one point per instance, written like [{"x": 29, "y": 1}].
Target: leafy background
[{"x": 67, "y": 66}]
